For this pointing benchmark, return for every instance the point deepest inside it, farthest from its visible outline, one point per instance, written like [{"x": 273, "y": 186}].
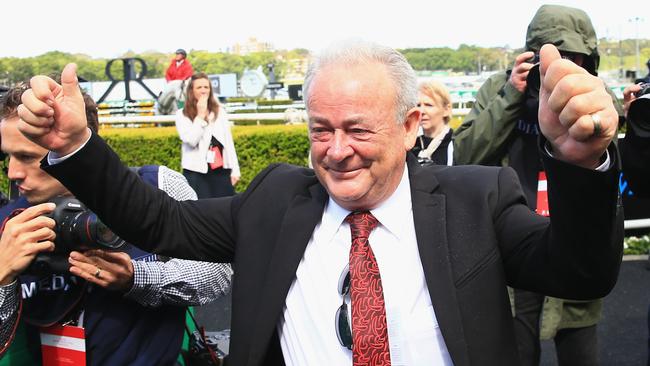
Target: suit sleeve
[
  {"x": 482, "y": 137},
  {"x": 144, "y": 215},
  {"x": 578, "y": 255}
]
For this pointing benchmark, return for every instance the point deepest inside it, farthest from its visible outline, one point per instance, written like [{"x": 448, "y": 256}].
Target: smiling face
[
  {"x": 201, "y": 87},
  {"x": 358, "y": 149},
  {"x": 24, "y": 164}
]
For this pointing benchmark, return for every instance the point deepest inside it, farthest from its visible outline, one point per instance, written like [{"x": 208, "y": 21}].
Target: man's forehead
[
  {"x": 13, "y": 139},
  {"x": 339, "y": 82}
]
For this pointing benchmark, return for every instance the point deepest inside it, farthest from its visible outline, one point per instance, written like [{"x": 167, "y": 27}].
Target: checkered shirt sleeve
[
  {"x": 178, "y": 281},
  {"x": 9, "y": 301}
]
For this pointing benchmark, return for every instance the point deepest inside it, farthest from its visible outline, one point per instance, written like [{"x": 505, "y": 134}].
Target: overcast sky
[{"x": 109, "y": 28}]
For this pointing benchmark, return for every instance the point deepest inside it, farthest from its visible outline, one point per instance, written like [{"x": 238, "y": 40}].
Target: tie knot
[{"x": 361, "y": 223}]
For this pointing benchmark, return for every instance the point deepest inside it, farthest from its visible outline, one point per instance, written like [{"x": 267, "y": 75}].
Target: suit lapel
[
  {"x": 304, "y": 212},
  {"x": 431, "y": 231}
]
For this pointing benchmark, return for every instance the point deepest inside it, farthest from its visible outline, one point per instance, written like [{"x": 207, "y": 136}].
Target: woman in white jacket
[{"x": 208, "y": 156}]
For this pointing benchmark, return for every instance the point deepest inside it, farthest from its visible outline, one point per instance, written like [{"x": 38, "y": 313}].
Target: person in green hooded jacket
[{"x": 502, "y": 129}]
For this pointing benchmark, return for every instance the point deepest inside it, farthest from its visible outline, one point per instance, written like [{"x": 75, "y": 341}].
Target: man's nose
[
  {"x": 15, "y": 170},
  {"x": 340, "y": 147}
]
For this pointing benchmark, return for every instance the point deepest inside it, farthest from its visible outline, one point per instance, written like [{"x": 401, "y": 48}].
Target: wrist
[
  {"x": 77, "y": 141},
  {"x": 591, "y": 163},
  {"x": 6, "y": 277}
]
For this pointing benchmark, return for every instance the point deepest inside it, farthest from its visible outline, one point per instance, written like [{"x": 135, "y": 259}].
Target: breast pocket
[{"x": 483, "y": 264}]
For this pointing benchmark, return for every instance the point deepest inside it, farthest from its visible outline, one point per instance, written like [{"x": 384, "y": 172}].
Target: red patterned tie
[{"x": 369, "y": 329}]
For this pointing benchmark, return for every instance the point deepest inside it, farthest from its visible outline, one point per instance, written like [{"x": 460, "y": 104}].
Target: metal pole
[
  {"x": 636, "y": 36},
  {"x": 636, "y": 21}
]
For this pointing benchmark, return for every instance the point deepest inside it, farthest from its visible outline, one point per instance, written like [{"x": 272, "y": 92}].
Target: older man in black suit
[{"x": 370, "y": 259}]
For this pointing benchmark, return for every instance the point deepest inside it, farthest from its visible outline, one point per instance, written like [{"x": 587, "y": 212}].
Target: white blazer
[{"x": 196, "y": 138}]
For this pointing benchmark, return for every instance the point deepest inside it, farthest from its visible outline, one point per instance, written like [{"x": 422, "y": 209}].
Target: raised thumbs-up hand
[
  {"x": 53, "y": 115},
  {"x": 576, "y": 114}
]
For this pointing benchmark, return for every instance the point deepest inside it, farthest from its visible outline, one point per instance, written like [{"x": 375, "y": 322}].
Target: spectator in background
[
  {"x": 180, "y": 68},
  {"x": 635, "y": 147},
  {"x": 503, "y": 129},
  {"x": 133, "y": 302},
  {"x": 435, "y": 144},
  {"x": 208, "y": 155}
]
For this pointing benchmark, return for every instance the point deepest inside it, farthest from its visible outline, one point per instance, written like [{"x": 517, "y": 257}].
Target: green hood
[{"x": 569, "y": 29}]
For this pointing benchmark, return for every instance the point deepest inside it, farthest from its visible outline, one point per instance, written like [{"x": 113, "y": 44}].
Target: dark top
[{"x": 439, "y": 156}]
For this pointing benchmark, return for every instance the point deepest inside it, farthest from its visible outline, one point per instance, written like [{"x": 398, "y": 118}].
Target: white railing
[
  {"x": 637, "y": 224},
  {"x": 231, "y": 116}
]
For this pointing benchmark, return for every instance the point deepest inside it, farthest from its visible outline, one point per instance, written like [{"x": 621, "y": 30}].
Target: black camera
[
  {"x": 638, "y": 116},
  {"x": 76, "y": 228},
  {"x": 533, "y": 81}
]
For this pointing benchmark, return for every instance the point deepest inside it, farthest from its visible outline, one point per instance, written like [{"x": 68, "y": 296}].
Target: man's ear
[{"x": 411, "y": 125}]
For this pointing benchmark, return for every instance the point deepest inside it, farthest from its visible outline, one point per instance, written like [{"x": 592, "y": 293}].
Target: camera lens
[{"x": 100, "y": 233}]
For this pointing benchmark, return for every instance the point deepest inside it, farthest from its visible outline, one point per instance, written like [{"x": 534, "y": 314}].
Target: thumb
[
  {"x": 547, "y": 55},
  {"x": 69, "y": 81}
]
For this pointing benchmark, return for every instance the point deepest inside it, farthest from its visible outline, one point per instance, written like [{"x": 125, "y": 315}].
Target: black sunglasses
[{"x": 342, "y": 320}]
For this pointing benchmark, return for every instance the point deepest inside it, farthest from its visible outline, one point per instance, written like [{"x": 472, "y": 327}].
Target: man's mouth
[{"x": 344, "y": 173}]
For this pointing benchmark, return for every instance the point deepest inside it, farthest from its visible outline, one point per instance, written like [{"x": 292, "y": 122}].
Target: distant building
[
  {"x": 296, "y": 68},
  {"x": 250, "y": 46}
]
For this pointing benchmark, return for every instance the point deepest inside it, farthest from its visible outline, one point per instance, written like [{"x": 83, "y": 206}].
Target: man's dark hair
[{"x": 11, "y": 101}]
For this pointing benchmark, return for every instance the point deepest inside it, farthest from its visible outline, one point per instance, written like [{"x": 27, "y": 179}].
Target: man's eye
[
  {"x": 25, "y": 158},
  {"x": 358, "y": 131}
]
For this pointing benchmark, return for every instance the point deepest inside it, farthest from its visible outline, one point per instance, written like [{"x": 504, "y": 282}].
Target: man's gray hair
[{"x": 356, "y": 52}]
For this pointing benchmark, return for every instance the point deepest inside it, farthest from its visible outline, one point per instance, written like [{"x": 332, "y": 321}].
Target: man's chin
[{"x": 350, "y": 198}]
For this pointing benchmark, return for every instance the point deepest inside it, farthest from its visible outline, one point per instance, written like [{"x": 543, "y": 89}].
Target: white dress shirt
[{"x": 307, "y": 326}]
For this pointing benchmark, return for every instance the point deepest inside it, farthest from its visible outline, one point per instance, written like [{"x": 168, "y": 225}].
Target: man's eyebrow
[
  {"x": 317, "y": 119},
  {"x": 346, "y": 123}
]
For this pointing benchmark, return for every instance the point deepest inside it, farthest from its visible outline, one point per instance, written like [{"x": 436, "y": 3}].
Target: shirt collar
[{"x": 390, "y": 213}]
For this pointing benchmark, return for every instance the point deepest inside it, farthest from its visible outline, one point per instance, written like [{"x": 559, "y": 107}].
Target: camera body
[
  {"x": 638, "y": 115},
  {"x": 76, "y": 228},
  {"x": 645, "y": 89}
]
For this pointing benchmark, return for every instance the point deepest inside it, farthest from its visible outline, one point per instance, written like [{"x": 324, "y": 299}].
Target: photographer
[
  {"x": 635, "y": 147},
  {"x": 503, "y": 129},
  {"x": 129, "y": 305}
]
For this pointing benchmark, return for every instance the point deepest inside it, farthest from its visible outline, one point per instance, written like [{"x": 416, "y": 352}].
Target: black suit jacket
[{"x": 474, "y": 230}]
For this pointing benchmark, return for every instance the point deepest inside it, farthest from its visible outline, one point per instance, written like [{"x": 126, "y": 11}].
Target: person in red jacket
[{"x": 180, "y": 68}]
